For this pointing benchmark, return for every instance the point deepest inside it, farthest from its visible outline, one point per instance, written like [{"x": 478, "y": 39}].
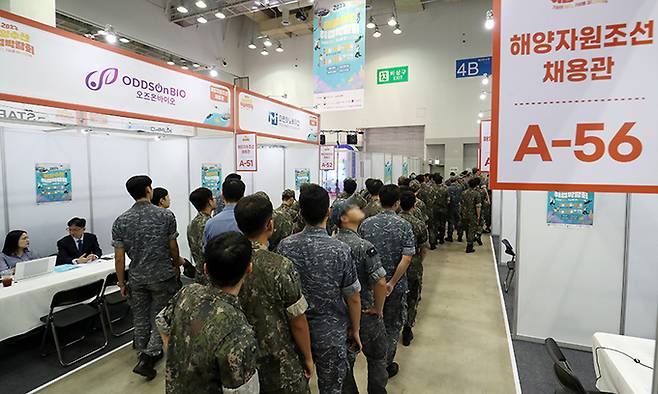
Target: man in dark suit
[{"x": 79, "y": 247}]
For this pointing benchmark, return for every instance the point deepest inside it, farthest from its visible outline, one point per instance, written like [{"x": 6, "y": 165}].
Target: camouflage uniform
[
  {"x": 270, "y": 297},
  {"x": 144, "y": 232},
  {"x": 454, "y": 220},
  {"x": 427, "y": 194},
  {"x": 373, "y": 331},
  {"x": 440, "y": 211},
  {"x": 421, "y": 211},
  {"x": 283, "y": 227},
  {"x": 326, "y": 268},
  {"x": 299, "y": 220},
  {"x": 355, "y": 198},
  {"x": 195, "y": 240},
  {"x": 415, "y": 271},
  {"x": 372, "y": 208},
  {"x": 393, "y": 238},
  {"x": 484, "y": 198},
  {"x": 212, "y": 347},
  {"x": 470, "y": 200}
]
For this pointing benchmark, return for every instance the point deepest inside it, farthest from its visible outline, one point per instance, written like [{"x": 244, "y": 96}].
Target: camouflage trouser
[
  {"x": 375, "y": 348},
  {"x": 273, "y": 381},
  {"x": 331, "y": 366},
  {"x": 440, "y": 218},
  {"x": 454, "y": 222},
  {"x": 146, "y": 301},
  {"x": 415, "y": 280},
  {"x": 395, "y": 312},
  {"x": 472, "y": 228},
  {"x": 486, "y": 215}
]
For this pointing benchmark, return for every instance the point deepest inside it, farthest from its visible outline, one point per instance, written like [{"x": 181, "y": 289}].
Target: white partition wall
[
  {"x": 45, "y": 223},
  {"x": 3, "y": 180},
  {"x": 168, "y": 162},
  {"x": 377, "y": 165},
  {"x": 642, "y": 290},
  {"x": 569, "y": 279},
  {"x": 300, "y": 156},
  {"x": 113, "y": 160},
  {"x": 270, "y": 177},
  {"x": 397, "y": 168},
  {"x": 496, "y": 209}
]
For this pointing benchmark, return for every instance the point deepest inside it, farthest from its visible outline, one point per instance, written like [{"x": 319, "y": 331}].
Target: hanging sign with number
[
  {"x": 246, "y": 152},
  {"x": 327, "y": 157},
  {"x": 573, "y": 101},
  {"x": 465, "y": 68}
]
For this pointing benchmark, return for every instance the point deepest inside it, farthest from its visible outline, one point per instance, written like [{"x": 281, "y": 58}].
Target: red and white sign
[
  {"x": 271, "y": 118},
  {"x": 575, "y": 95},
  {"x": 327, "y": 157},
  {"x": 46, "y": 66},
  {"x": 484, "y": 157},
  {"x": 246, "y": 149}
]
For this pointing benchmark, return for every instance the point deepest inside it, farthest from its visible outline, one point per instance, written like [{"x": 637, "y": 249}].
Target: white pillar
[{"x": 39, "y": 10}]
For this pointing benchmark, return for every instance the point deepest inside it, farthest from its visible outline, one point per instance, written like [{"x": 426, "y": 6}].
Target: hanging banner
[
  {"x": 53, "y": 182},
  {"x": 388, "y": 172},
  {"x": 574, "y": 96},
  {"x": 339, "y": 43},
  {"x": 327, "y": 157},
  {"x": 570, "y": 208},
  {"x": 211, "y": 178},
  {"x": 302, "y": 176},
  {"x": 484, "y": 156},
  {"x": 270, "y": 118},
  {"x": 246, "y": 149},
  {"x": 405, "y": 168},
  {"x": 64, "y": 70}
]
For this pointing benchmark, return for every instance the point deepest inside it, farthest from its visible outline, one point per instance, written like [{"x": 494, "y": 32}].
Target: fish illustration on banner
[
  {"x": 570, "y": 208},
  {"x": 53, "y": 182}
]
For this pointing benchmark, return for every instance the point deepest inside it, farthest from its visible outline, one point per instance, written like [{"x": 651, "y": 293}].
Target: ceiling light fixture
[
  {"x": 102, "y": 32},
  {"x": 202, "y": 20},
  {"x": 170, "y": 62},
  {"x": 264, "y": 52},
  {"x": 201, "y": 4},
  {"x": 184, "y": 67},
  {"x": 213, "y": 72},
  {"x": 267, "y": 42},
  {"x": 485, "y": 80},
  {"x": 279, "y": 48},
  {"x": 111, "y": 38},
  {"x": 252, "y": 45},
  {"x": 197, "y": 65},
  {"x": 371, "y": 23},
  {"x": 377, "y": 33},
  {"x": 489, "y": 23},
  {"x": 483, "y": 95},
  {"x": 392, "y": 22},
  {"x": 220, "y": 15},
  {"x": 124, "y": 40},
  {"x": 181, "y": 8},
  {"x": 397, "y": 29},
  {"x": 480, "y": 115}
]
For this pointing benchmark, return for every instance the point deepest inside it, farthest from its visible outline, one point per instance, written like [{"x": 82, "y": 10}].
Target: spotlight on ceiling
[
  {"x": 220, "y": 15},
  {"x": 201, "y": 4},
  {"x": 184, "y": 67},
  {"x": 264, "y": 52},
  {"x": 397, "y": 29},
  {"x": 485, "y": 80},
  {"x": 170, "y": 62},
  {"x": 279, "y": 48},
  {"x": 392, "y": 22},
  {"x": 213, "y": 72},
  {"x": 371, "y": 23},
  {"x": 252, "y": 45},
  {"x": 196, "y": 65},
  {"x": 111, "y": 38},
  {"x": 480, "y": 115},
  {"x": 483, "y": 96},
  {"x": 267, "y": 42},
  {"x": 182, "y": 9},
  {"x": 489, "y": 23},
  {"x": 124, "y": 40},
  {"x": 377, "y": 33},
  {"x": 202, "y": 20}
]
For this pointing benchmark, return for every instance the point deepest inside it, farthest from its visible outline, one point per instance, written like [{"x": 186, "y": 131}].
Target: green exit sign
[{"x": 392, "y": 75}]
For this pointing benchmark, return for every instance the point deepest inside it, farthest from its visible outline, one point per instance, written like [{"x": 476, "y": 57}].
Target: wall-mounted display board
[{"x": 484, "y": 156}]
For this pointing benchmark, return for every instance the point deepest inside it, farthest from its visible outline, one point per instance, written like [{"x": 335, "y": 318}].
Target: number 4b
[{"x": 534, "y": 134}]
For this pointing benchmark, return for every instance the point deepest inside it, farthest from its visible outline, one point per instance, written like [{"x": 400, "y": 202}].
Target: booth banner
[
  {"x": 271, "y": 118},
  {"x": 211, "y": 177},
  {"x": 302, "y": 176},
  {"x": 388, "y": 172},
  {"x": 246, "y": 149},
  {"x": 339, "y": 43},
  {"x": 405, "y": 168},
  {"x": 53, "y": 182},
  {"x": 571, "y": 208},
  {"x": 64, "y": 70},
  {"x": 484, "y": 156},
  {"x": 574, "y": 100},
  {"x": 327, "y": 157}
]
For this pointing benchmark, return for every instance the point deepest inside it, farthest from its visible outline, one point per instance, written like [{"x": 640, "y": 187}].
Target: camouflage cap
[
  {"x": 288, "y": 193},
  {"x": 414, "y": 185},
  {"x": 262, "y": 194},
  {"x": 339, "y": 208}
]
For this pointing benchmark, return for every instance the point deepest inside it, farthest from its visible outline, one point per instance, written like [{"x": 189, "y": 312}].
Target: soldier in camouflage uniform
[
  {"x": 484, "y": 194},
  {"x": 427, "y": 194},
  {"x": 364, "y": 192},
  {"x": 441, "y": 204},
  {"x": 283, "y": 225},
  {"x": 211, "y": 346},
  {"x": 373, "y": 295},
  {"x": 471, "y": 203},
  {"x": 349, "y": 191},
  {"x": 454, "y": 220},
  {"x": 395, "y": 243},
  {"x": 374, "y": 206},
  {"x": 415, "y": 271},
  {"x": 147, "y": 234},
  {"x": 205, "y": 203},
  {"x": 420, "y": 210},
  {"x": 331, "y": 286},
  {"x": 273, "y": 302}
]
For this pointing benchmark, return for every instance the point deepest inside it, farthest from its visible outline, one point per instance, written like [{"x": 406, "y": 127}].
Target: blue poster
[
  {"x": 339, "y": 42},
  {"x": 474, "y": 67},
  {"x": 575, "y": 208},
  {"x": 211, "y": 178},
  {"x": 388, "y": 172},
  {"x": 302, "y": 176},
  {"x": 405, "y": 169},
  {"x": 53, "y": 182}
]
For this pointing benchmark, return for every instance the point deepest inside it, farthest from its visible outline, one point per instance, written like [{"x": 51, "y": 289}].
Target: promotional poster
[
  {"x": 570, "y": 208},
  {"x": 53, "y": 182}
]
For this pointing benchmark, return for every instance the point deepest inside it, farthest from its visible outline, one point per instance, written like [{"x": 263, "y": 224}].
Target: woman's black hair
[{"x": 11, "y": 241}]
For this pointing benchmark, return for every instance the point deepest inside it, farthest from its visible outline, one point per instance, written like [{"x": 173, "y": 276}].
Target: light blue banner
[
  {"x": 575, "y": 208},
  {"x": 53, "y": 182}
]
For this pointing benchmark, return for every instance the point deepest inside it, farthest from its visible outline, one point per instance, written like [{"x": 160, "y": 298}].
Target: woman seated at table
[{"x": 15, "y": 251}]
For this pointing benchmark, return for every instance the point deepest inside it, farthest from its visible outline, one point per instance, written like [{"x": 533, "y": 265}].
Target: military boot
[
  {"x": 470, "y": 248},
  {"x": 478, "y": 239},
  {"x": 407, "y": 336}
]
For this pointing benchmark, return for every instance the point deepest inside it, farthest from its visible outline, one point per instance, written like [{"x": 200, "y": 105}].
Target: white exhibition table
[
  {"x": 24, "y": 302},
  {"x": 620, "y": 374}
]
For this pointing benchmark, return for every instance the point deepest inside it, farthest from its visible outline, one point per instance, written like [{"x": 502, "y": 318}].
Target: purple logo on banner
[{"x": 106, "y": 77}]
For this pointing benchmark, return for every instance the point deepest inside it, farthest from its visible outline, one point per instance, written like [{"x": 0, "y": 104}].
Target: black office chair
[
  {"x": 77, "y": 313},
  {"x": 565, "y": 375},
  {"x": 511, "y": 265},
  {"x": 114, "y": 299}
]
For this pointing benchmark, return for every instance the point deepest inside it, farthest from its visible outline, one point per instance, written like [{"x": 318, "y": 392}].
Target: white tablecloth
[
  {"x": 25, "y": 302},
  {"x": 620, "y": 374}
]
